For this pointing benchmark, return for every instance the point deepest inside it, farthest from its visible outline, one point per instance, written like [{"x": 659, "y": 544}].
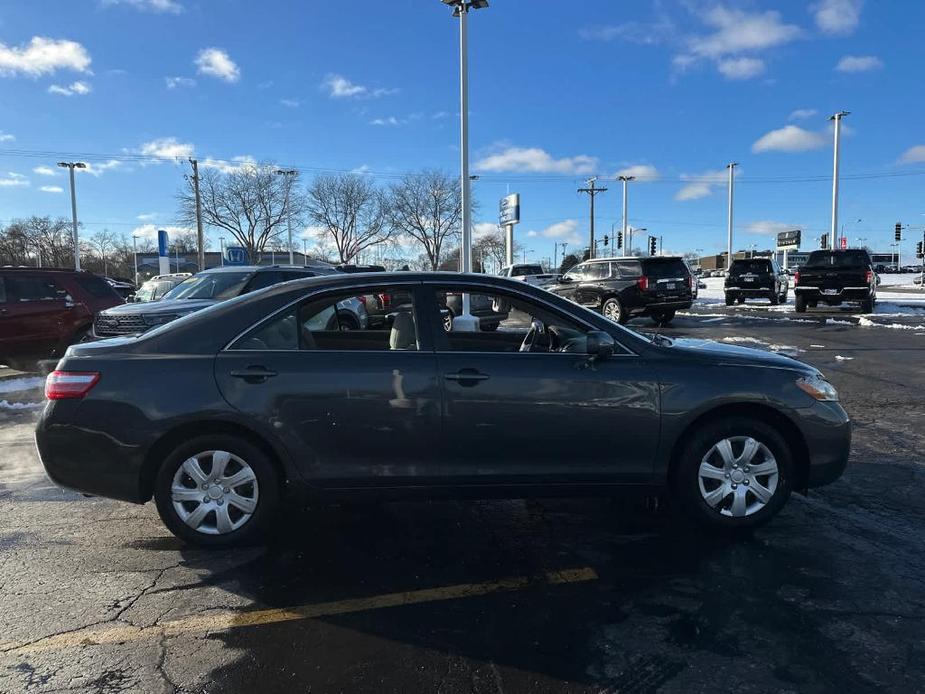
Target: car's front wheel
[
  {"x": 735, "y": 473},
  {"x": 217, "y": 491}
]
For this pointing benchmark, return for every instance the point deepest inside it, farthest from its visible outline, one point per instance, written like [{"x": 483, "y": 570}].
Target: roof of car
[
  {"x": 263, "y": 268},
  {"x": 634, "y": 257},
  {"x": 26, "y": 268}
]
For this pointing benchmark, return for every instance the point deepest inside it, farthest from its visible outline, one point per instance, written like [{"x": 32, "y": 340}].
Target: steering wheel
[{"x": 536, "y": 328}]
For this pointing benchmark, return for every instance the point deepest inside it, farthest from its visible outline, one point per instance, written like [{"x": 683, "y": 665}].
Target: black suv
[
  {"x": 197, "y": 292},
  {"x": 623, "y": 288},
  {"x": 756, "y": 278}
]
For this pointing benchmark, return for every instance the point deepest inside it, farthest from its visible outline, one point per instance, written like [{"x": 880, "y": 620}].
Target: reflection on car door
[
  {"x": 509, "y": 413},
  {"x": 32, "y": 318}
]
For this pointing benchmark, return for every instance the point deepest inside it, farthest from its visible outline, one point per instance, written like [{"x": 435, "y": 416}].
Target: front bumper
[{"x": 827, "y": 432}]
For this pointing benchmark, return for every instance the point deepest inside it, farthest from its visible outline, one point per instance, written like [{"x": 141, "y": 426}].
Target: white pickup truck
[{"x": 531, "y": 273}]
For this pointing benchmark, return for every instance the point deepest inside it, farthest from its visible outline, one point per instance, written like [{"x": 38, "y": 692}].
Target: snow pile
[
  {"x": 753, "y": 340},
  {"x": 14, "y": 385},
  {"x": 6, "y": 405},
  {"x": 839, "y": 357},
  {"x": 835, "y": 321},
  {"x": 868, "y": 323}
]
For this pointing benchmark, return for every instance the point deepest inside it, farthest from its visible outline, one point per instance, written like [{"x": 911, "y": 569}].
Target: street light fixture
[{"x": 74, "y": 165}]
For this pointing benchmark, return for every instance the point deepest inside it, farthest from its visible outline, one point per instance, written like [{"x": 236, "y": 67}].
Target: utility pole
[
  {"x": 837, "y": 118},
  {"x": 200, "y": 240},
  {"x": 732, "y": 168},
  {"x": 74, "y": 165},
  {"x": 135, "y": 257},
  {"x": 221, "y": 248},
  {"x": 304, "y": 252},
  {"x": 592, "y": 191},
  {"x": 625, "y": 179},
  {"x": 288, "y": 173}
]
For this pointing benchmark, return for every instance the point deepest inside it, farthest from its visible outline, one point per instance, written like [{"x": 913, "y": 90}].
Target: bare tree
[
  {"x": 102, "y": 244},
  {"x": 247, "y": 201},
  {"x": 490, "y": 248},
  {"x": 350, "y": 211},
  {"x": 427, "y": 207},
  {"x": 48, "y": 241}
]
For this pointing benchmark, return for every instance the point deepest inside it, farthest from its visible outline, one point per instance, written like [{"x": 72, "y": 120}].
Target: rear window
[
  {"x": 744, "y": 266},
  {"x": 664, "y": 268},
  {"x": 96, "y": 286},
  {"x": 854, "y": 259},
  {"x": 523, "y": 270}
]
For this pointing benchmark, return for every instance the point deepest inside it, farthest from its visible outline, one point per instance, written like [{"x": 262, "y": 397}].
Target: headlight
[
  {"x": 818, "y": 388},
  {"x": 160, "y": 318}
]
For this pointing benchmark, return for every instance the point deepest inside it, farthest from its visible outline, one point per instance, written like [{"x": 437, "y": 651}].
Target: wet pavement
[{"x": 560, "y": 595}]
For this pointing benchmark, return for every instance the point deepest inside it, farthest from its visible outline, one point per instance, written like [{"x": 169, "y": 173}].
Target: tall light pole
[
  {"x": 288, "y": 173},
  {"x": 625, "y": 179},
  {"x": 837, "y": 118},
  {"x": 135, "y": 257},
  {"x": 74, "y": 165},
  {"x": 731, "y": 166},
  {"x": 221, "y": 249},
  {"x": 304, "y": 252}
]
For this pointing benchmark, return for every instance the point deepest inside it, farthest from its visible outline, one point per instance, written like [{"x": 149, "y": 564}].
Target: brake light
[
  {"x": 690, "y": 281},
  {"x": 643, "y": 283},
  {"x": 796, "y": 277},
  {"x": 869, "y": 277},
  {"x": 62, "y": 385},
  {"x": 386, "y": 300}
]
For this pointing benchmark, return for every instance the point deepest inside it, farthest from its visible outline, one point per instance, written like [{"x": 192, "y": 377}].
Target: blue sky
[{"x": 669, "y": 90}]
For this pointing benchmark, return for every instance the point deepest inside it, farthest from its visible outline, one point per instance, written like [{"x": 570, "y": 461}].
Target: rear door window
[
  {"x": 597, "y": 271},
  {"x": 264, "y": 279},
  {"x": 627, "y": 268},
  {"x": 96, "y": 286}
]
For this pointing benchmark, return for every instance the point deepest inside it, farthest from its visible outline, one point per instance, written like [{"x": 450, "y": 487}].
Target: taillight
[
  {"x": 690, "y": 281},
  {"x": 62, "y": 385},
  {"x": 643, "y": 283},
  {"x": 869, "y": 277},
  {"x": 386, "y": 300},
  {"x": 796, "y": 277}
]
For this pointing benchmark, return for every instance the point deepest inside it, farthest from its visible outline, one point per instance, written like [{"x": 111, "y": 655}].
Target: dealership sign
[
  {"x": 788, "y": 240},
  {"x": 509, "y": 209}
]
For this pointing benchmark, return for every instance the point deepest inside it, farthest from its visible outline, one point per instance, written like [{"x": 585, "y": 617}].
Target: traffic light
[
  {"x": 824, "y": 241},
  {"x": 619, "y": 239},
  {"x": 919, "y": 250},
  {"x": 606, "y": 239},
  {"x": 652, "y": 245},
  {"x": 899, "y": 231}
]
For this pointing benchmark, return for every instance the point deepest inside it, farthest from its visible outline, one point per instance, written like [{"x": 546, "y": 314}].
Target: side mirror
[
  {"x": 565, "y": 279},
  {"x": 599, "y": 344}
]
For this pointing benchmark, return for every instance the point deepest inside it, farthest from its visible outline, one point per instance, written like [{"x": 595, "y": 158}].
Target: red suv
[{"x": 44, "y": 311}]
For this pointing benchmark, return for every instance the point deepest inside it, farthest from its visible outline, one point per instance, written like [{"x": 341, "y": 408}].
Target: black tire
[
  {"x": 783, "y": 297},
  {"x": 347, "y": 322},
  {"x": 867, "y": 306},
  {"x": 664, "y": 318},
  {"x": 268, "y": 484},
  {"x": 799, "y": 304},
  {"x": 613, "y": 309},
  {"x": 741, "y": 299},
  {"x": 686, "y": 485},
  {"x": 730, "y": 299},
  {"x": 774, "y": 298}
]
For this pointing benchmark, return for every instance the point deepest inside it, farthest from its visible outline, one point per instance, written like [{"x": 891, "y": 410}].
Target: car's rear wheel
[
  {"x": 799, "y": 304},
  {"x": 867, "y": 306},
  {"x": 730, "y": 299},
  {"x": 774, "y": 297},
  {"x": 735, "y": 473},
  {"x": 217, "y": 491},
  {"x": 613, "y": 310}
]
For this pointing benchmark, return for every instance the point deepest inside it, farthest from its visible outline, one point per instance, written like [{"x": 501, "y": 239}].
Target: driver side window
[{"x": 505, "y": 323}]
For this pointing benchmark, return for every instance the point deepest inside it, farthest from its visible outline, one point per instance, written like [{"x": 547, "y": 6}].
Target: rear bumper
[
  {"x": 660, "y": 306},
  {"x": 750, "y": 291},
  {"x": 840, "y": 294}
]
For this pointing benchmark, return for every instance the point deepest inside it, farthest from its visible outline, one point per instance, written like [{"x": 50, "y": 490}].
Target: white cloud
[
  {"x": 566, "y": 230},
  {"x": 44, "y": 171},
  {"x": 701, "y": 185},
  {"x": 767, "y": 227},
  {"x": 313, "y": 232},
  {"x": 802, "y": 114},
  {"x": 290, "y": 103},
  {"x": 13, "y": 179},
  {"x": 6, "y": 137},
  {"x": 790, "y": 138},
  {"x": 859, "y": 63},
  {"x": 741, "y": 68},
  {"x": 43, "y": 56},
  {"x": 391, "y": 120},
  {"x": 536, "y": 160},
  {"x": 644, "y": 173},
  {"x": 238, "y": 163},
  {"x": 362, "y": 169},
  {"x": 217, "y": 63},
  {"x": 646, "y": 34},
  {"x": 837, "y": 17},
  {"x": 51, "y": 189},
  {"x": 99, "y": 169},
  {"x": 147, "y": 216},
  {"x": 913, "y": 155},
  {"x": 532, "y": 233},
  {"x": 480, "y": 229},
  {"x": 174, "y": 82},
  {"x": 339, "y": 87},
  {"x": 78, "y": 88},
  {"x": 159, "y": 6},
  {"x": 167, "y": 148}
]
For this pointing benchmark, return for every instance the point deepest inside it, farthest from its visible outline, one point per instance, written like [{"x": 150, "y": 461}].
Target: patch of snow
[
  {"x": 5, "y": 405},
  {"x": 753, "y": 340},
  {"x": 841, "y": 358},
  {"x": 868, "y": 323},
  {"x": 14, "y": 385},
  {"x": 835, "y": 321},
  {"x": 789, "y": 350},
  {"x": 817, "y": 345}
]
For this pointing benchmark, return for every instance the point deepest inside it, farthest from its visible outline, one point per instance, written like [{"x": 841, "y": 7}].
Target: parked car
[
  {"x": 196, "y": 293},
  {"x": 836, "y": 277},
  {"x": 42, "y": 311},
  {"x": 262, "y": 401},
  {"x": 529, "y": 272},
  {"x": 624, "y": 288},
  {"x": 123, "y": 287},
  {"x": 756, "y": 278},
  {"x": 156, "y": 287}
]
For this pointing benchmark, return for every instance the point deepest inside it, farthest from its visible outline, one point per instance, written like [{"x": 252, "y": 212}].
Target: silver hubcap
[
  {"x": 214, "y": 492},
  {"x": 738, "y": 476},
  {"x": 612, "y": 311}
]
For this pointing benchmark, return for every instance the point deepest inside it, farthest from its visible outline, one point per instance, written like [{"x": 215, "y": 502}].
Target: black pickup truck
[{"x": 836, "y": 277}]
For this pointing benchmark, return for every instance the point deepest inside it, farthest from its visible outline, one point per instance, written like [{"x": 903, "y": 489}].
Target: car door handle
[
  {"x": 254, "y": 374},
  {"x": 466, "y": 377}
]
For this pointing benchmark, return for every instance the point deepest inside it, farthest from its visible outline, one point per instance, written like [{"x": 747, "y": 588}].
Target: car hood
[
  {"x": 164, "y": 306},
  {"x": 738, "y": 355}
]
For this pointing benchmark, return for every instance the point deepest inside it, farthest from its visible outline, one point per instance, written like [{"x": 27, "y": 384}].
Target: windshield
[
  {"x": 146, "y": 291},
  {"x": 837, "y": 259},
  {"x": 212, "y": 285},
  {"x": 744, "y": 266}
]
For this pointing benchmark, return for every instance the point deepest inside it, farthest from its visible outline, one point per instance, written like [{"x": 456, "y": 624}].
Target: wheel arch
[
  {"x": 183, "y": 432},
  {"x": 763, "y": 413}
]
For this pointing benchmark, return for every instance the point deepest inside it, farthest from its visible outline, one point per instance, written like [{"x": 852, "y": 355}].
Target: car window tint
[
  {"x": 262, "y": 280},
  {"x": 503, "y": 322},
  {"x": 2, "y": 291},
  {"x": 665, "y": 268},
  {"x": 627, "y": 268},
  {"x": 577, "y": 272},
  {"x": 95, "y": 286},
  {"x": 33, "y": 288}
]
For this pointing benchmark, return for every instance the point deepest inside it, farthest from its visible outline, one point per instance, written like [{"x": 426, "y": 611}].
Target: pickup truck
[
  {"x": 834, "y": 278},
  {"x": 531, "y": 273}
]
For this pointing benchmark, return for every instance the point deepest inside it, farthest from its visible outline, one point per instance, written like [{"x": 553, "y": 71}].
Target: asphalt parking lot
[{"x": 559, "y": 595}]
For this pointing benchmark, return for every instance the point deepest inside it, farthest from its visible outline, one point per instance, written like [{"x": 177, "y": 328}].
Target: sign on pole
[
  {"x": 163, "y": 253},
  {"x": 235, "y": 255},
  {"x": 509, "y": 209},
  {"x": 788, "y": 240}
]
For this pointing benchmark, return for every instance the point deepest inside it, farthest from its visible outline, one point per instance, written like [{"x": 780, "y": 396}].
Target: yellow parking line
[{"x": 225, "y": 620}]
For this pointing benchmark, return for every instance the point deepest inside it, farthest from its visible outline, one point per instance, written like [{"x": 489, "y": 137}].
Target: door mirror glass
[{"x": 599, "y": 344}]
